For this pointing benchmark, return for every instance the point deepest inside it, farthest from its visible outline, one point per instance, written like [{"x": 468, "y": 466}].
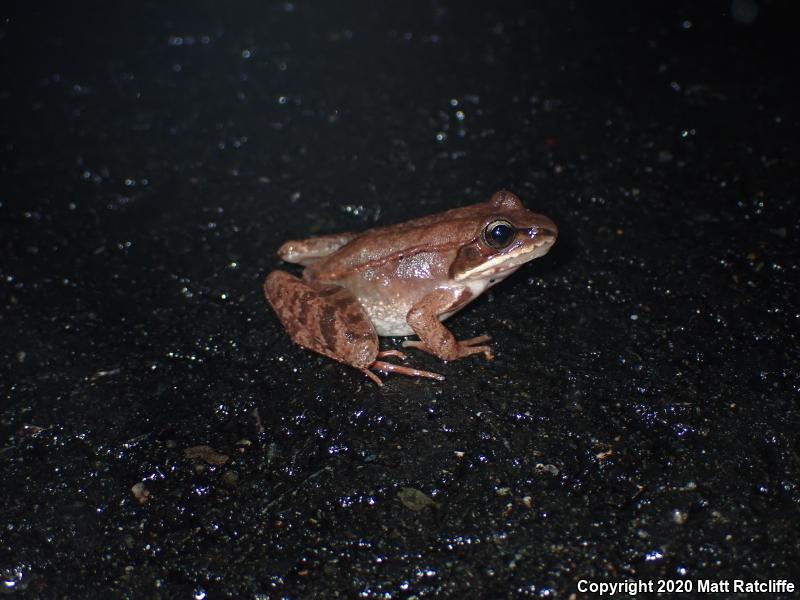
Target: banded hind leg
[{"x": 328, "y": 319}]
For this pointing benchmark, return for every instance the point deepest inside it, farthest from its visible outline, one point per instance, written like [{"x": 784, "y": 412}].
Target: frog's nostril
[{"x": 539, "y": 231}]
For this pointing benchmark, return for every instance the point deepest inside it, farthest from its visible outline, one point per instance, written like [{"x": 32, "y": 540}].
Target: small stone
[
  {"x": 206, "y": 453},
  {"x": 551, "y": 469},
  {"x": 230, "y": 478},
  {"x": 604, "y": 454},
  {"x": 415, "y": 500},
  {"x": 679, "y": 517},
  {"x": 140, "y": 492}
]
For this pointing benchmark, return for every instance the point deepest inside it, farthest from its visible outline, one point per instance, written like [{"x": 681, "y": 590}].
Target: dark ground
[{"x": 640, "y": 420}]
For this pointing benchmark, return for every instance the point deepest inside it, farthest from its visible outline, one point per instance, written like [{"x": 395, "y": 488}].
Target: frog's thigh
[{"x": 324, "y": 318}]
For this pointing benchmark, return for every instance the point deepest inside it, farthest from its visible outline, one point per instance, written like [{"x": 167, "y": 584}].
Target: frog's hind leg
[
  {"x": 324, "y": 318},
  {"x": 307, "y": 252},
  {"x": 386, "y": 367},
  {"x": 327, "y": 319}
]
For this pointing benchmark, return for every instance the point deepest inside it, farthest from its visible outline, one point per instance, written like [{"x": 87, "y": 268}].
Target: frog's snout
[{"x": 544, "y": 230}]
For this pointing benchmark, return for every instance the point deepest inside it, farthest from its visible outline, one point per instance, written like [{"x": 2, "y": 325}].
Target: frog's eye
[{"x": 498, "y": 234}]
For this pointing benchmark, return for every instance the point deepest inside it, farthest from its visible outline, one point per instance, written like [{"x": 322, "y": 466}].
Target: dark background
[{"x": 640, "y": 419}]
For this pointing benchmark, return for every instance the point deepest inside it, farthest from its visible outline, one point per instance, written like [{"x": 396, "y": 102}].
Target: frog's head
[{"x": 506, "y": 236}]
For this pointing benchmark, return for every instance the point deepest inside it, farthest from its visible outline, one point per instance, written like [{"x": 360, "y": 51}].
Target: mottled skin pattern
[
  {"x": 324, "y": 318},
  {"x": 403, "y": 279}
]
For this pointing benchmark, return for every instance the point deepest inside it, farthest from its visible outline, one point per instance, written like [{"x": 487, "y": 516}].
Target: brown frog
[{"x": 402, "y": 280}]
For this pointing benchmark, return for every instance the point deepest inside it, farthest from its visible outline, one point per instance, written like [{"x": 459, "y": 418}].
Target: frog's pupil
[{"x": 501, "y": 235}]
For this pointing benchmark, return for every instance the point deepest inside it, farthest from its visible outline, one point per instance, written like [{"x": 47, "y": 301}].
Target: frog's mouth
[{"x": 512, "y": 258}]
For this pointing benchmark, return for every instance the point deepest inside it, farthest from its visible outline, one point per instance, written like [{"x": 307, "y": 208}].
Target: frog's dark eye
[{"x": 498, "y": 234}]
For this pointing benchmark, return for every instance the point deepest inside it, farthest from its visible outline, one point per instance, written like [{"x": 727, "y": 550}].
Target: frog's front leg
[
  {"x": 329, "y": 320},
  {"x": 434, "y": 337}
]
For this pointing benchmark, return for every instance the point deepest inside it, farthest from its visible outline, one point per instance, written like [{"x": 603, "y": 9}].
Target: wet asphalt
[{"x": 161, "y": 437}]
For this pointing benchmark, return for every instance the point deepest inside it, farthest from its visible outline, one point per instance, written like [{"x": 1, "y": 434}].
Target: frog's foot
[
  {"x": 385, "y": 367},
  {"x": 463, "y": 348}
]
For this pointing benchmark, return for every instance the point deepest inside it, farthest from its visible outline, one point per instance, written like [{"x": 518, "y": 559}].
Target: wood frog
[{"x": 402, "y": 280}]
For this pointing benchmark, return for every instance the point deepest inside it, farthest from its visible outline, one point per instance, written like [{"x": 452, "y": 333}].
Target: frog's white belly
[
  {"x": 392, "y": 325},
  {"x": 389, "y": 317}
]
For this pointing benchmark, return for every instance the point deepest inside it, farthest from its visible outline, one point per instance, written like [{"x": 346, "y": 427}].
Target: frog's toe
[
  {"x": 470, "y": 350},
  {"x": 473, "y": 346},
  {"x": 418, "y": 344},
  {"x": 476, "y": 340},
  {"x": 385, "y": 367},
  {"x": 394, "y": 353},
  {"x": 462, "y": 350}
]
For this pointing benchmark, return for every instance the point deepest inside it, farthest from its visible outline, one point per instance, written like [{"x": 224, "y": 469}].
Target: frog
[{"x": 403, "y": 280}]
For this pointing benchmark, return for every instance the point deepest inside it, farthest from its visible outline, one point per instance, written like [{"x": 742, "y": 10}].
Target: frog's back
[{"x": 379, "y": 245}]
